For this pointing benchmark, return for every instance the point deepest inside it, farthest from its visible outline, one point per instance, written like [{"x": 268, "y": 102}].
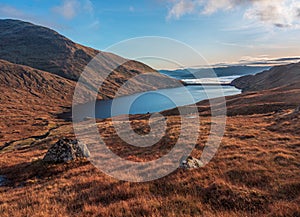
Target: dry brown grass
[{"x": 255, "y": 172}]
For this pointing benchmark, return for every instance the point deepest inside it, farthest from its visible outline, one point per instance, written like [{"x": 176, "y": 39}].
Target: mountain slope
[
  {"x": 38, "y": 83},
  {"x": 279, "y": 76},
  {"x": 30, "y": 100},
  {"x": 42, "y": 48}
]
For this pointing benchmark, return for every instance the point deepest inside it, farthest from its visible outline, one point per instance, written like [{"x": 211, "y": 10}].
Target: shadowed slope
[{"x": 275, "y": 77}]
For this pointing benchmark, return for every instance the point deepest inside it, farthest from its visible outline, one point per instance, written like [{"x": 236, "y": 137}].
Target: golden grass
[{"x": 256, "y": 172}]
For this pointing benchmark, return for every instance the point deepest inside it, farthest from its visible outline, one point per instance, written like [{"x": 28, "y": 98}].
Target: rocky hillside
[
  {"x": 286, "y": 76},
  {"x": 42, "y": 48}
]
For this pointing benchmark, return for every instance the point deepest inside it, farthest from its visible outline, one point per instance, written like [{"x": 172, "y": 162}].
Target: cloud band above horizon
[{"x": 279, "y": 13}]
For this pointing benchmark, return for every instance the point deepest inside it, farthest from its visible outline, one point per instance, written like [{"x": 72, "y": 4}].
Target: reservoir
[{"x": 159, "y": 100}]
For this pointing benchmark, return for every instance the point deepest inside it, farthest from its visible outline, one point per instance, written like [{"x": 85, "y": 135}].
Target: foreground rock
[
  {"x": 190, "y": 163},
  {"x": 66, "y": 150}
]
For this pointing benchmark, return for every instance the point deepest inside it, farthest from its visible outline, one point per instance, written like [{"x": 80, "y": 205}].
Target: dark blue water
[
  {"x": 160, "y": 100},
  {"x": 2, "y": 180}
]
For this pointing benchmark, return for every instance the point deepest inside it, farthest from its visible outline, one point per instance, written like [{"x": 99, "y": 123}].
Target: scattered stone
[
  {"x": 66, "y": 150},
  {"x": 190, "y": 163}
]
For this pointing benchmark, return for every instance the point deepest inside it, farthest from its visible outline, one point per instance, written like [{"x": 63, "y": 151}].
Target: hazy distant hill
[
  {"x": 287, "y": 76},
  {"x": 220, "y": 72}
]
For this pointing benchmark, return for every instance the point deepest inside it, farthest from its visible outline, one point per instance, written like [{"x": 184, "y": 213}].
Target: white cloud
[
  {"x": 68, "y": 9},
  {"x": 213, "y": 6},
  {"x": 71, "y": 8},
  {"x": 279, "y": 13},
  {"x": 266, "y": 60},
  {"x": 181, "y": 8}
]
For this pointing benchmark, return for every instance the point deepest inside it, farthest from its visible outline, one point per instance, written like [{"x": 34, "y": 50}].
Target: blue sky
[{"x": 223, "y": 31}]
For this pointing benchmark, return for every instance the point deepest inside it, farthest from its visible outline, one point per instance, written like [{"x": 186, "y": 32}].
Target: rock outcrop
[
  {"x": 190, "y": 163},
  {"x": 66, "y": 150}
]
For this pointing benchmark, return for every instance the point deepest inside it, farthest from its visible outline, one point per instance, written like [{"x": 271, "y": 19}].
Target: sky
[{"x": 222, "y": 31}]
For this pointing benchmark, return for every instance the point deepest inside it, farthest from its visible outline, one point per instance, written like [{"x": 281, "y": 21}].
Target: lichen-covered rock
[
  {"x": 190, "y": 162},
  {"x": 66, "y": 150}
]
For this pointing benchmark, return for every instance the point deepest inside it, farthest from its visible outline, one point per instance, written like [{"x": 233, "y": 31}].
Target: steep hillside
[
  {"x": 278, "y": 76},
  {"x": 36, "y": 82},
  {"x": 42, "y": 48},
  {"x": 30, "y": 100}
]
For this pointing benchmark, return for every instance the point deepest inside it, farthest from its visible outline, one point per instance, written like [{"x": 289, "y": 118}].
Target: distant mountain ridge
[{"x": 208, "y": 72}]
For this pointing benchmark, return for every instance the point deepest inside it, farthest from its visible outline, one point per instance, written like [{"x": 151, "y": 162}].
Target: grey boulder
[{"x": 66, "y": 150}]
